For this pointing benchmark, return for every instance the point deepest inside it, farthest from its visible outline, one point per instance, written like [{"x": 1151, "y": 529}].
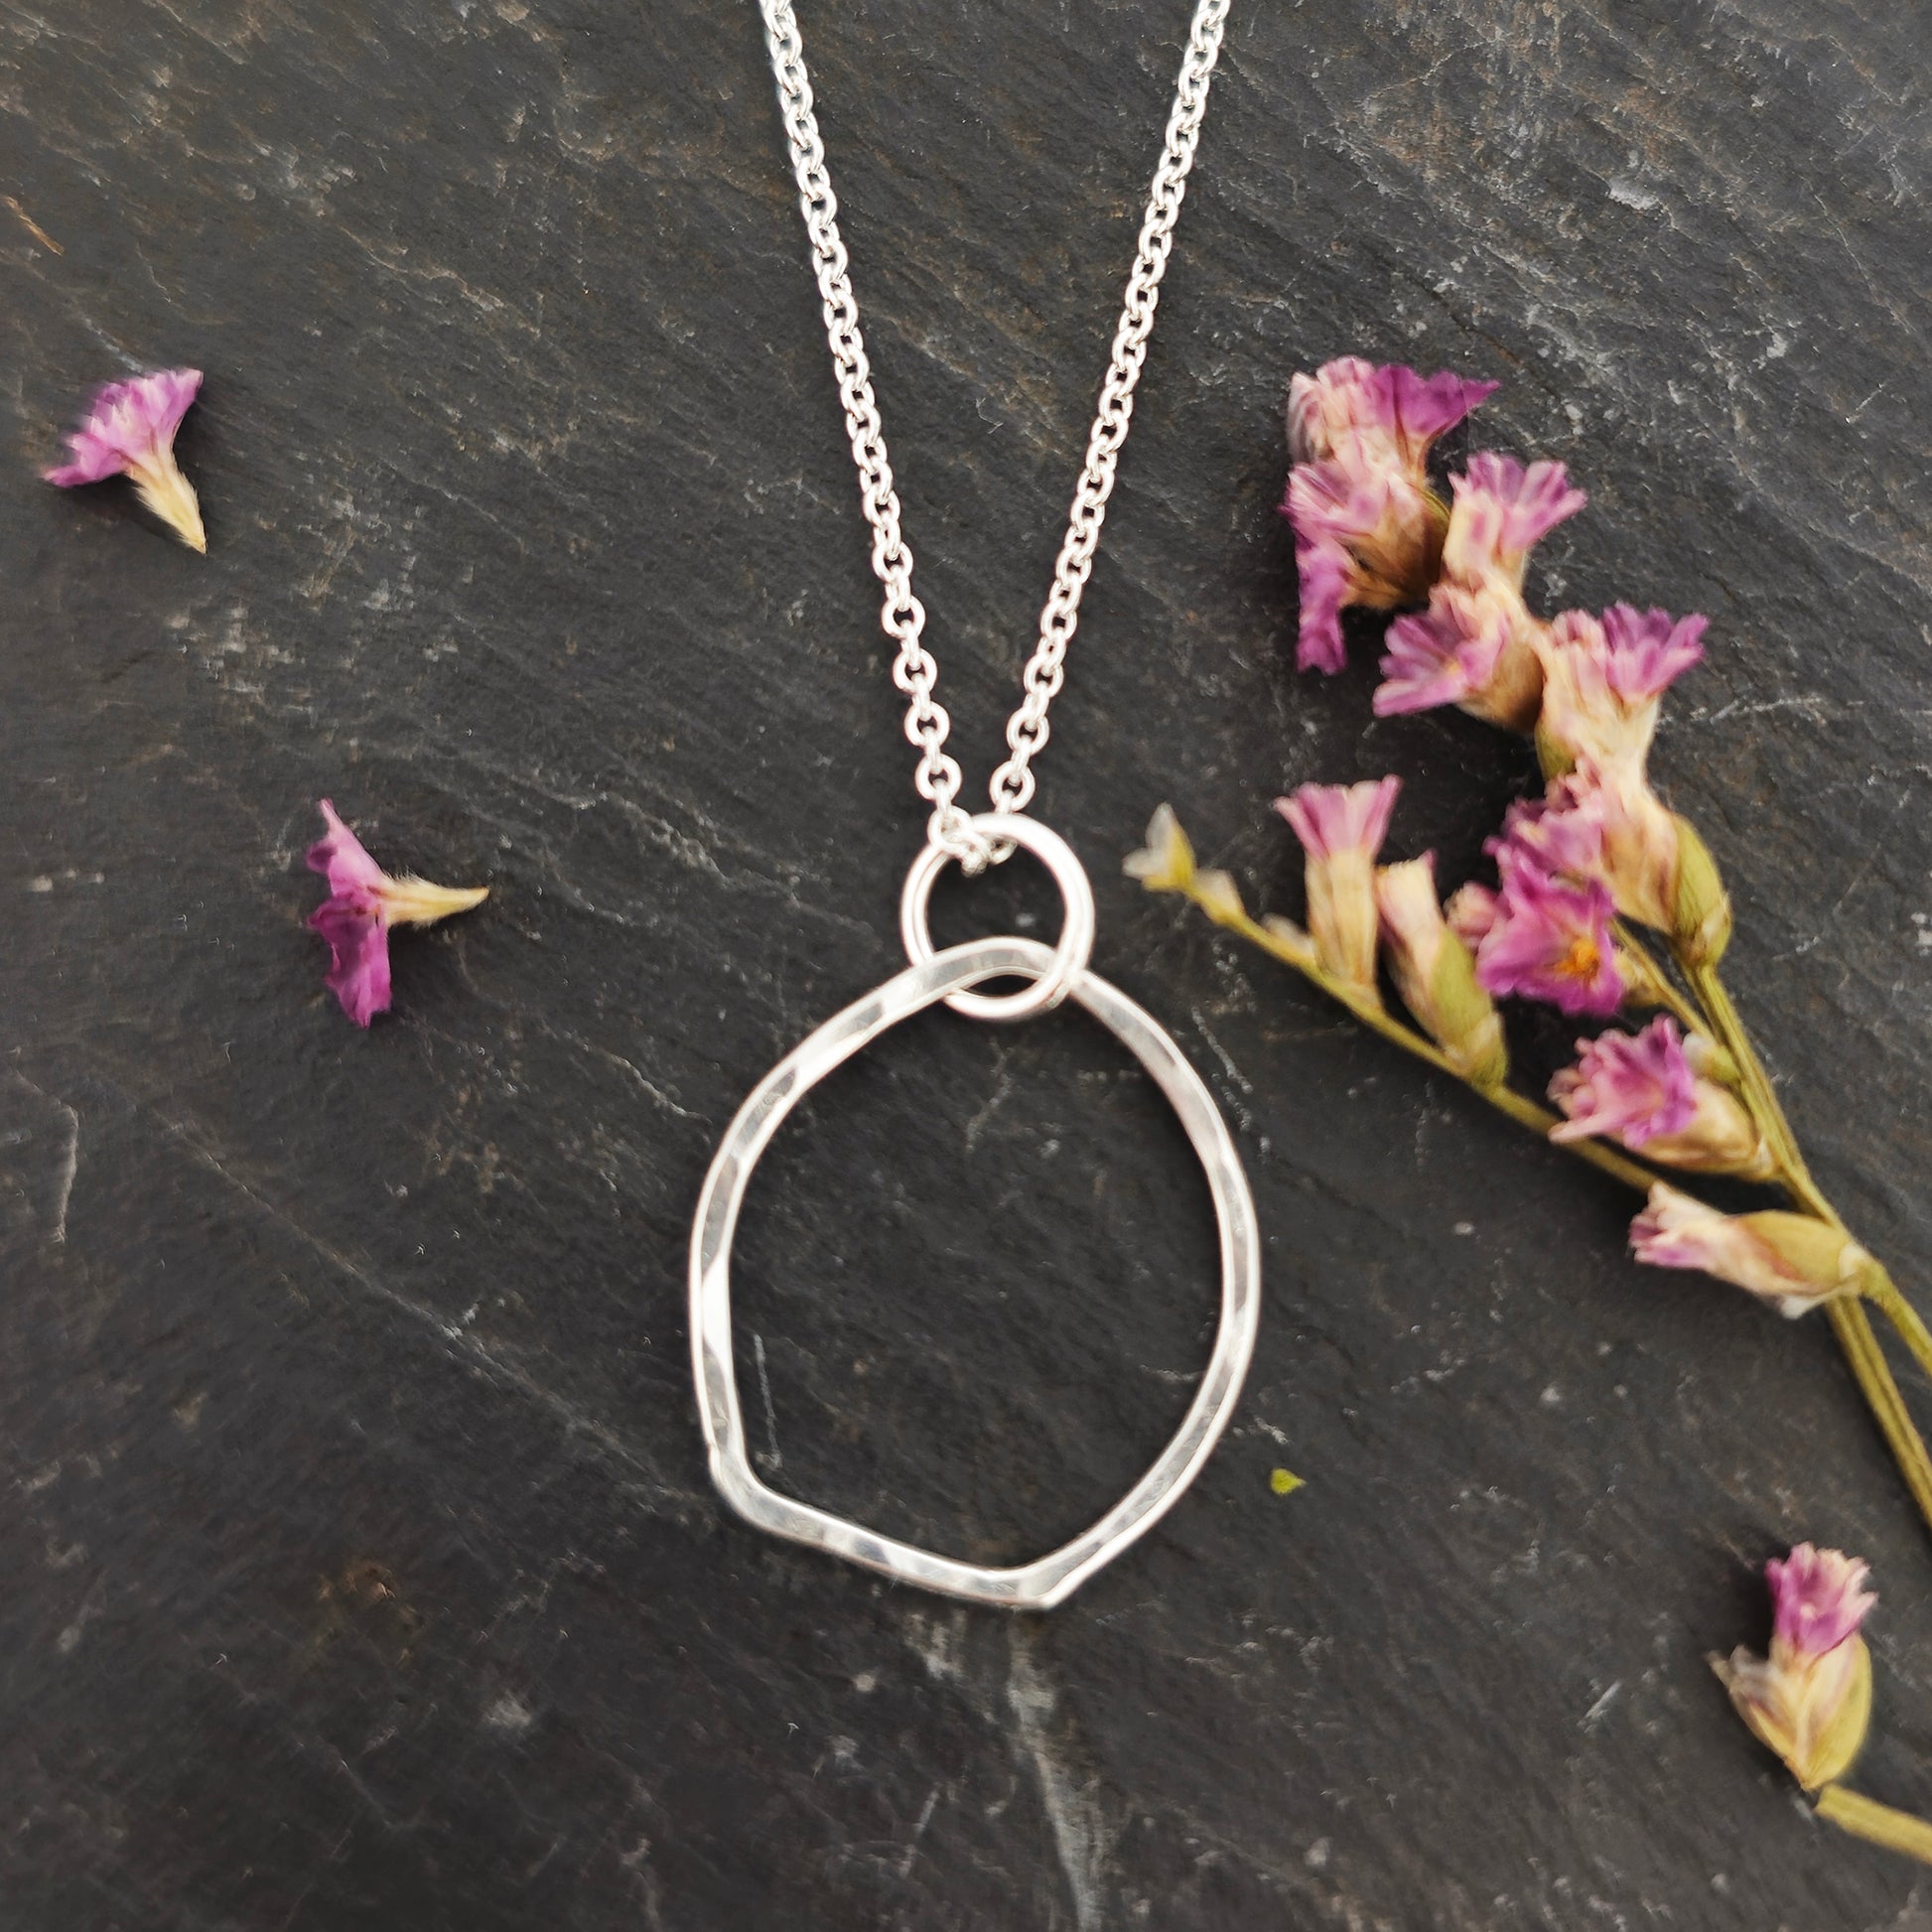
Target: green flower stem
[
  {"x": 1852, "y": 1327},
  {"x": 1685, "y": 1011},
  {"x": 1850, "y": 1323},
  {"x": 1913, "y": 1331},
  {"x": 1759, "y": 1094},
  {"x": 1866, "y": 1818},
  {"x": 1372, "y": 1013}
]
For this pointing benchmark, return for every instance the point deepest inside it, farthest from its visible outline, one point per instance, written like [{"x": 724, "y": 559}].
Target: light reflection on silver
[{"x": 1049, "y": 1579}]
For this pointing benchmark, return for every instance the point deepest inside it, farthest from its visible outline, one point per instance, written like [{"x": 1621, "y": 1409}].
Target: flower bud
[
  {"x": 1789, "y": 1259},
  {"x": 1342, "y": 828},
  {"x": 1700, "y": 906},
  {"x": 1436, "y": 975},
  {"x": 1165, "y": 864},
  {"x": 1810, "y": 1700}
]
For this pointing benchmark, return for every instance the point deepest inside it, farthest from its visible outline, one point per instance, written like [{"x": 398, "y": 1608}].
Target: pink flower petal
[
  {"x": 1326, "y": 574},
  {"x": 359, "y": 944},
  {"x": 126, "y": 424},
  {"x": 1561, "y": 834},
  {"x": 1552, "y": 940},
  {"x": 1426, "y": 406},
  {"x": 1433, "y": 658},
  {"x": 1351, "y": 401},
  {"x": 342, "y": 859},
  {"x": 1648, "y": 651},
  {"x": 1819, "y": 1599},
  {"x": 1332, "y": 821},
  {"x": 1628, "y": 1087},
  {"x": 1500, "y": 511}
]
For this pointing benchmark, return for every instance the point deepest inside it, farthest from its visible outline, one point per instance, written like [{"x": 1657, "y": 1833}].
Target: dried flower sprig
[
  {"x": 1810, "y": 1699},
  {"x": 130, "y": 430},
  {"x": 364, "y": 903},
  {"x": 1606, "y": 902}
]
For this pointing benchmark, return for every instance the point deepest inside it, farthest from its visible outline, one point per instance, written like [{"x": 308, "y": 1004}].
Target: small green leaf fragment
[{"x": 1284, "y": 1482}]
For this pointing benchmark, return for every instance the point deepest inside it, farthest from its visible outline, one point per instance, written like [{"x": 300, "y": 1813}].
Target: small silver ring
[{"x": 1075, "y": 945}]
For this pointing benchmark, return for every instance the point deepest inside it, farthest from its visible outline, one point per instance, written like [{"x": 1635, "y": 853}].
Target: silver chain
[{"x": 915, "y": 671}]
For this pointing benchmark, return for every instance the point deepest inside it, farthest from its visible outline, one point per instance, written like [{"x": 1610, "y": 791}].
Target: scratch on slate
[
  {"x": 1079, "y": 1830},
  {"x": 918, "y": 1831},
  {"x": 461, "y": 1342},
  {"x": 69, "y": 1160},
  {"x": 1596, "y": 1713}
]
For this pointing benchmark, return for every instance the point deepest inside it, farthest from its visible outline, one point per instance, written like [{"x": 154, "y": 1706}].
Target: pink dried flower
[
  {"x": 1478, "y": 645},
  {"x": 1342, "y": 828},
  {"x": 1641, "y": 836},
  {"x": 1435, "y": 973},
  {"x": 1819, "y": 1599},
  {"x": 1552, "y": 940},
  {"x": 364, "y": 903},
  {"x": 1810, "y": 1700},
  {"x": 1628, "y": 1087},
  {"x": 1472, "y": 647},
  {"x": 1792, "y": 1259},
  {"x": 1365, "y": 417},
  {"x": 130, "y": 429},
  {"x": 1604, "y": 680},
  {"x": 1501, "y": 511},
  {"x": 1368, "y": 527},
  {"x": 1561, "y": 833},
  {"x": 1649, "y": 1091}
]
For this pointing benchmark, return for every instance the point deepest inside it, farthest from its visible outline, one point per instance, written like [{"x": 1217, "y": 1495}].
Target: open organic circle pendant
[
  {"x": 1051, "y": 976},
  {"x": 1049, "y": 1579}
]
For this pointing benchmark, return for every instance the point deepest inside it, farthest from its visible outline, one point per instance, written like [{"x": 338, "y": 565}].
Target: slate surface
[{"x": 362, "y": 1571}]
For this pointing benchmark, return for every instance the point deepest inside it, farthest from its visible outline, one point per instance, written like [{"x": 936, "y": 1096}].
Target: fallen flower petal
[
  {"x": 1342, "y": 828},
  {"x": 1790, "y": 1259},
  {"x": 364, "y": 903},
  {"x": 130, "y": 429},
  {"x": 1810, "y": 1700}
]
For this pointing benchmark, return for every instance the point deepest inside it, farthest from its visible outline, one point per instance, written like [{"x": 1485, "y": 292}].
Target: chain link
[{"x": 915, "y": 671}]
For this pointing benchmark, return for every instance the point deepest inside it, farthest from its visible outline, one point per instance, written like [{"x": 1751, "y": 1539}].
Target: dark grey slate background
[{"x": 361, "y": 1570}]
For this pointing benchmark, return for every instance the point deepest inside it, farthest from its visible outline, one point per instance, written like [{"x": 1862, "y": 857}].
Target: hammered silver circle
[
  {"x": 1049, "y": 1579},
  {"x": 1075, "y": 945}
]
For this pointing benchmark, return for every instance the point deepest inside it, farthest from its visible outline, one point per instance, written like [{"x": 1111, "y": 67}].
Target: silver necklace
[{"x": 975, "y": 841}]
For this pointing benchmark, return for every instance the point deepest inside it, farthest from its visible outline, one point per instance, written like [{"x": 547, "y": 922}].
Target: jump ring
[{"x": 1075, "y": 945}]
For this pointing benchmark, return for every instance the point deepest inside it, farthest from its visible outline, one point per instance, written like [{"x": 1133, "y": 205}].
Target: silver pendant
[{"x": 1055, "y": 974}]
